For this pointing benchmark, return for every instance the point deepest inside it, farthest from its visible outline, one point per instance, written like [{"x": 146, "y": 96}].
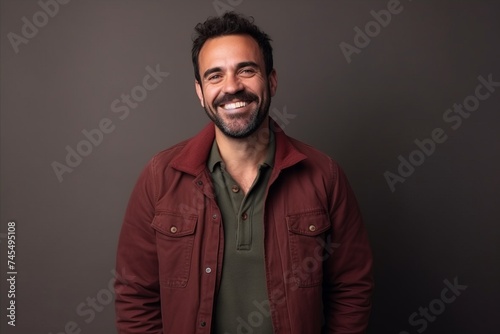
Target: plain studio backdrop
[{"x": 404, "y": 95}]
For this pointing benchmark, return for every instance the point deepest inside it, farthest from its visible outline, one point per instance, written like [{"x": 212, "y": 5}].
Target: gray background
[{"x": 440, "y": 224}]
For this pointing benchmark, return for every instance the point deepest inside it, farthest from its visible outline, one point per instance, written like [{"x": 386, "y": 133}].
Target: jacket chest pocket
[
  {"x": 174, "y": 242},
  {"x": 306, "y": 239}
]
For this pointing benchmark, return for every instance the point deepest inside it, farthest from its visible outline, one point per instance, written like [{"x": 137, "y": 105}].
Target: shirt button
[
  {"x": 173, "y": 229},
  {"x": 203, "y": 324},
  {"x": 244, "y": 216},
  {"x": 312, "y": 228},
  {"x": 200, "y": 183},
  {"x": 208, "y": 270},
  {"x": 235, "y": 188},
  {"x": 214, "y": 217}
]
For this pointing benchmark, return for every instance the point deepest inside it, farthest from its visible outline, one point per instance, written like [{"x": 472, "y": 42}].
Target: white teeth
[{"x": 236, "y": 105}]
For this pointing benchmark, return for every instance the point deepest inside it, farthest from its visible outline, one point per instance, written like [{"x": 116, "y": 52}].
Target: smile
[{"x": 234, "y": 105}]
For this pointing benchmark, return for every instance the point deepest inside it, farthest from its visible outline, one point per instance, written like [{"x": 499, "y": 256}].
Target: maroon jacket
[{"x": 317, "y": 256}]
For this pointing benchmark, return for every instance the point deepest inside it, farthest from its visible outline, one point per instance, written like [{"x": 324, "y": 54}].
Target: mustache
[{"x": 241, "y": 95}]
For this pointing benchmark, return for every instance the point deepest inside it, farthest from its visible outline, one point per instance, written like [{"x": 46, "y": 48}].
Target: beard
[{"x": 240, "y": 125}]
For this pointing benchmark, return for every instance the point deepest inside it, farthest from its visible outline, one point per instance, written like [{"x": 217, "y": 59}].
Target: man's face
[{"x": 234, "y": 89}]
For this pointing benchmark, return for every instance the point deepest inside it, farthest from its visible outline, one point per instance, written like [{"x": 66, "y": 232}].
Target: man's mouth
[{"x": 234, "y": 105}]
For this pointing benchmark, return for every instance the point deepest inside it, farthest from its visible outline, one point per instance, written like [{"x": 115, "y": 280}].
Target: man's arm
[
  {"x": 348, "y": 281},
  {"x": 138, "y": 291}
]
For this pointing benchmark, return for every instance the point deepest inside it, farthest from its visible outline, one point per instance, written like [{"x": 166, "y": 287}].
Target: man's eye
[
  {"x": 214, "y": 77},
  {"x": 248, "y": 71}
]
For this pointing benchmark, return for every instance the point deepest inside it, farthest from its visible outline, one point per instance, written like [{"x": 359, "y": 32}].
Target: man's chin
[
  {"x": 236, "y": 125},
  {"x": 236, "y": 133}
]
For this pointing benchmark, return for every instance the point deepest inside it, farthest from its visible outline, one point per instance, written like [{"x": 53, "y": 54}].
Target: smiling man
[
  {"x": 235, "y": 88},
  {"x": 241, "y": 229}
]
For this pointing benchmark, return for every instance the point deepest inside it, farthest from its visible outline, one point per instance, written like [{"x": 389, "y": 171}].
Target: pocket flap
[
  {"x": 310, "y": 223},
  {"x": 174, "y": 224}
]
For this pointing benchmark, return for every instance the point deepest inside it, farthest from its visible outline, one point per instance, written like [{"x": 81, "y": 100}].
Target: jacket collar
[{"x": 193, "y": 156}]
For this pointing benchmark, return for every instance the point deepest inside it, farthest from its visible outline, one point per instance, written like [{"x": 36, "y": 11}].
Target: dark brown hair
[{"x": 230, "y": 23}]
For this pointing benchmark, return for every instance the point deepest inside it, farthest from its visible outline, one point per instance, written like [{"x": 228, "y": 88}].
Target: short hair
[{"x": 230, "y": 23}]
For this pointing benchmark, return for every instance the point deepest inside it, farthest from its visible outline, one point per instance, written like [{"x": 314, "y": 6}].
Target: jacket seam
[
  {"x": 156, "y": 190},
  {"x": 333, "y": 175}
]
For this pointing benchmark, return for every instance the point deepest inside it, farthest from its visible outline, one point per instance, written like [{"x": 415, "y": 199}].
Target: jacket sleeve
[
  {"x": 348, "y": 281},
  {"x": 137, "y": 300}
]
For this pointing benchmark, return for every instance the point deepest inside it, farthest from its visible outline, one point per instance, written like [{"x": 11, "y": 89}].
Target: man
[{"x": 241, "y": 229}]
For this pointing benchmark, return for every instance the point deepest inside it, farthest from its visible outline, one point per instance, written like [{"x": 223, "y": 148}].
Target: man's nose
[{"x": 232, "y": 84}]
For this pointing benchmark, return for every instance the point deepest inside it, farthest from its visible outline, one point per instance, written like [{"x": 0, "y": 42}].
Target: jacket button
[
  {"x": 312, "y": 228},
  {"x": 235, "y": 188},
  {"x": 173, "y": 229},
  {"x": 244, "y": 216}
]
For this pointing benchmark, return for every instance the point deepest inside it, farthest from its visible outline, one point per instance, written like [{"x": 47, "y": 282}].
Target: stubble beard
[{"x": 232, "y": 127}]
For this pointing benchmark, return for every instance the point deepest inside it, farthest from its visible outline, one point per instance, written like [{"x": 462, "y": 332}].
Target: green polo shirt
[{"x": 242, "y": 304}]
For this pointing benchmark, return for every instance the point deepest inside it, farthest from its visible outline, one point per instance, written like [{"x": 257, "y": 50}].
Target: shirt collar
[
  {"x": 214, "y": 156},
  {"x": 192, "y": 154}
]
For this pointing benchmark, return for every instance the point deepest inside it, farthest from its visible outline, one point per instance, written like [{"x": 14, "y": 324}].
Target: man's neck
[{"x": 243, "y": 156}]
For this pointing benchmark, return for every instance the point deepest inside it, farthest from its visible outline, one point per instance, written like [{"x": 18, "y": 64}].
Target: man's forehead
[{"x": 235, "y": 48}]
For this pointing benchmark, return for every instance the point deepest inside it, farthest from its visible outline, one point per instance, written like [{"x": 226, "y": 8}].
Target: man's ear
[
  {"x": 273, "y": 81},
  {"x": 199, "y": 92}
]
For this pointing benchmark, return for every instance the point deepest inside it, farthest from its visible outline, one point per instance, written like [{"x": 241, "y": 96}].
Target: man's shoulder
[
  {"x": 166, "y": 155},
  {"x": 188, "y": 155},
  {"x": 312, "y": 153},
  {"x": 171, "y": 155}
]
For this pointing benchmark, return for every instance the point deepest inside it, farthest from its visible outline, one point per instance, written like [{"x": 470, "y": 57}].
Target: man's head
[
  {"x": 234, "y": 73},
  {"x": 230, "y": 23}
]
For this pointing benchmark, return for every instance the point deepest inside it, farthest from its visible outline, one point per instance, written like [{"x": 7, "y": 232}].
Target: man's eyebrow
[
  {"x": 210, "y": 71},
  {"x": 238, "y": 66},
  {"x": 246, "y": 64}
]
